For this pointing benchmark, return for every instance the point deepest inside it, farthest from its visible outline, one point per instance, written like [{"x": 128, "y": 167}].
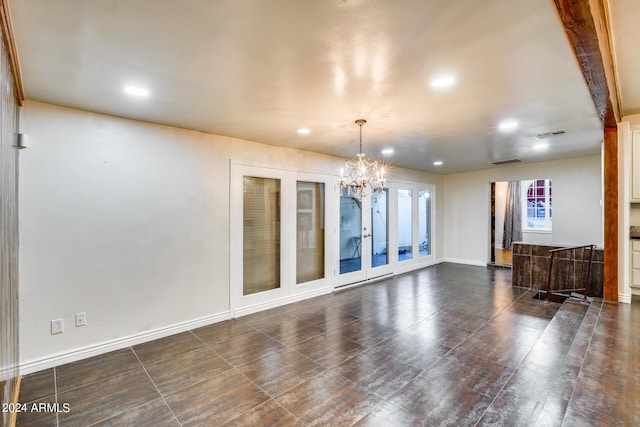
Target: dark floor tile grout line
[
  {"x": 156, "y": 387},
  {"x": 55, "y": 393},
  {"x": 249, "y": 379},
  {"x": 515, "y": 369},
  {"x": 95, "y": 381},
  {"x": 486, "y": 322},
  {"x": 326, "y": 369},
  {"x": 593, "y": 331}
]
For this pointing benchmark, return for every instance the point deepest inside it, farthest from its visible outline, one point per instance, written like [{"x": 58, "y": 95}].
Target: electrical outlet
[
  {"x": 81, "y": 319},
  {"x": 57, "y": 326}
]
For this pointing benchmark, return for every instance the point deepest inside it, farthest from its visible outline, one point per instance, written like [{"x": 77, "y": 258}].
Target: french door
[
  {"x": 415, "y": 233},
  {"x": 364, "y": 237},
  {"x": 279, "y": 251}
]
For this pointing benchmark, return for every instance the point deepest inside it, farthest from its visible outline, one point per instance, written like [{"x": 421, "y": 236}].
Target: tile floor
[{"x": 447, "y": 345}]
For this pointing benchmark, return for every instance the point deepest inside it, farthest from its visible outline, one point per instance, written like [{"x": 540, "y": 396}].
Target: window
[
  {"x": 405, "y": 224},
  {"x": 424, "y": 222},
  {"x": 537, "y": 205},
  {"x": 261, "y": 234},
  {"x": 309, "y": 231}
]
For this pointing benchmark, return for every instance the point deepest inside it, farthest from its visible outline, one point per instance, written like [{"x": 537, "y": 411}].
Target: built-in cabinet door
[
  {"x": 635, "y": 166},
  {"x": 635, "y": 263}
]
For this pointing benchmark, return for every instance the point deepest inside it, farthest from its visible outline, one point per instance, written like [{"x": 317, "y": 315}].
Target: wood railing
[{"x": 585, "y": 269}]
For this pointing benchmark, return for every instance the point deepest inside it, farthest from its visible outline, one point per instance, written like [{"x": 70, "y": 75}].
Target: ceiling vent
[
  {"x": 506, "y": 162},
  {"x": 549, "y": 134}
]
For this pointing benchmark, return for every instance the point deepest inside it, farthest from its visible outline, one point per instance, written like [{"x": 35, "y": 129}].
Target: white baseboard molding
[
  {"x": 280, "y": 302},
  {"x": 624, "y": 298},
  {"x": 46, "y": 362},
  {"x": 415, "y": 266},
  {"x": 465, "y": 261},
  {"x": 7, "y": 372},
  {"x": 362, "y": 283}
]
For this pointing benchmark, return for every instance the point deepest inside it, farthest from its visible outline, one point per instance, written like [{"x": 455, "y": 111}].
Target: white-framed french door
[
  {"x": 414, "y": 237},
  {"x": 364, "y": 237},
  {"x": 280, "y": 250}
]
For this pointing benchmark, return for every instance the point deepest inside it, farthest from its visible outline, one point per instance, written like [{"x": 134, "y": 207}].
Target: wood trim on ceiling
[
  {"x": 577, "y": 19},
  {"x": 600, "y": 11},
  {"x": 12, "y": 51},
  {"x": 592, "y": 48}
]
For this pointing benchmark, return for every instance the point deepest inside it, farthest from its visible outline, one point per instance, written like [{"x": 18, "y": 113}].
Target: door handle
[{"x": 367, "y": 235}]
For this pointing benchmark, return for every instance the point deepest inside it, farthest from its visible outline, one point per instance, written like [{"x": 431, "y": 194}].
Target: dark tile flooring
[{"x": 447, "y": 345}]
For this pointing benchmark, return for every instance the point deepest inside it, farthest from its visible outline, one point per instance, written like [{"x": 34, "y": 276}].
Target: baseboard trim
[
  {"x": 625, "y": 298},
  {"x": 465, "y": 261},
  {"x": 417, "y": 266},
  {"x": 362, "y": 283},
  {"x": 244, "y": 311},
  {"x": 38, "y": 364}
]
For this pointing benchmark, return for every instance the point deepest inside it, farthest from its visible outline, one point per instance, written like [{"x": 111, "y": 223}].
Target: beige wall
[
  {"x": 577, "y": 211},
  {"x": 129, "y": 222}
]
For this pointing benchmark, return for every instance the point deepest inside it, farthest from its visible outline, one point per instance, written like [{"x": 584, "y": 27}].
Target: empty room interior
[{"x": 341, "y": 212}]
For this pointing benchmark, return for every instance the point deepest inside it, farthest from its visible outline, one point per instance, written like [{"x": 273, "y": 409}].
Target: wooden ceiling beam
[
  {"x": 592, "y": 53},
  {"x": 585, "y": 23},
  {"x": 601, "y": 18},
  {"x": 12, "y": 51}
]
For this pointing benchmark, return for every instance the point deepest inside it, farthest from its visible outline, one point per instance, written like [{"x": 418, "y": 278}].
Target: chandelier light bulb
[{"x": 361, "y": 177}]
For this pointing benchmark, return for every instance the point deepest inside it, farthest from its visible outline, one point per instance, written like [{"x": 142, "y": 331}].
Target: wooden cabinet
[
  {"x": 635, "y": 263},
  {"x": 635, "y": 166}
]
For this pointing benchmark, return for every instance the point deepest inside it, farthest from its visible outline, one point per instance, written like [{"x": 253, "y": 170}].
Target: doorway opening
[
  {"x": 521, "y": 211},
  {"x": 500, "y": 255}
]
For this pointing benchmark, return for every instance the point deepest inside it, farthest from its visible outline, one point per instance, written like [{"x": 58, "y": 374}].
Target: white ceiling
[{"x": 260, "y": 69}]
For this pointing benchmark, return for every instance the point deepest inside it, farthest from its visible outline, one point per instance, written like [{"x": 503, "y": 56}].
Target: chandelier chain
[{"x": 361, "y": 177}]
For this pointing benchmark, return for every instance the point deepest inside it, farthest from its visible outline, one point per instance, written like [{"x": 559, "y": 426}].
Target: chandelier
[{"x": 361, "y": 177}]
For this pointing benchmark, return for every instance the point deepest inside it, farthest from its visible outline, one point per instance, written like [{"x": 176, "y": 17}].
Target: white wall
[
  {"x": 129, "y": 222},
  {"x": 577, "y": 211}
]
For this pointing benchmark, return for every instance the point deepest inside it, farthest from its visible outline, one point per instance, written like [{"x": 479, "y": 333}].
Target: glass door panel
[
  {"x": 380, "y": 228},
  {"x": 261, "y": 234},
  {"x": 350, "y": 233},
  {"x": 424, "y": 223},
  {"x": 405, "y": 224},
  {"x": 310, "y": 231}
]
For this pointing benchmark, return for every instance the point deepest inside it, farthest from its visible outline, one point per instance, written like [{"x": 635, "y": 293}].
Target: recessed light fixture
[
  {"x": 541, "y": 146},
  {"x": 508, "y": 125},
  {"x": 387, "y": 151},
  {"x": 136, "y": 91},
  {"x": 437, "y": 163},
  {"x": 443, "y": 81},
  {"x": 304, "y": 131}
]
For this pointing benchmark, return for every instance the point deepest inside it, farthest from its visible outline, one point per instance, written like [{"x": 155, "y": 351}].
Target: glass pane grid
[
  {"x": 310, "y": 231},
  {"x": 380, "y": 228},
  {"x": 405, "y": 224},
  {"x": 350, "y": 233},
  {"x": 424, "y": 223},
  {"x": 261, "y": 234}
]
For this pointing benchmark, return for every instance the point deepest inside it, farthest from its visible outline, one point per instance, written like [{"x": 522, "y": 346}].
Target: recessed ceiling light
[
  {"x": 387, "y": 151},
  {"x": 508, "y": 125},
  {"x": 437, "y": 163},
  {"x": 541, "y": 146},
  {"x": 136, "y": 91},
  {"x": 304, "y": 131},
  {"x": 444, "y": 81}
]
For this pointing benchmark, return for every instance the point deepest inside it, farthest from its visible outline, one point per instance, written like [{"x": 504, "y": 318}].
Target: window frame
[{"x": 548, "y": 207}]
